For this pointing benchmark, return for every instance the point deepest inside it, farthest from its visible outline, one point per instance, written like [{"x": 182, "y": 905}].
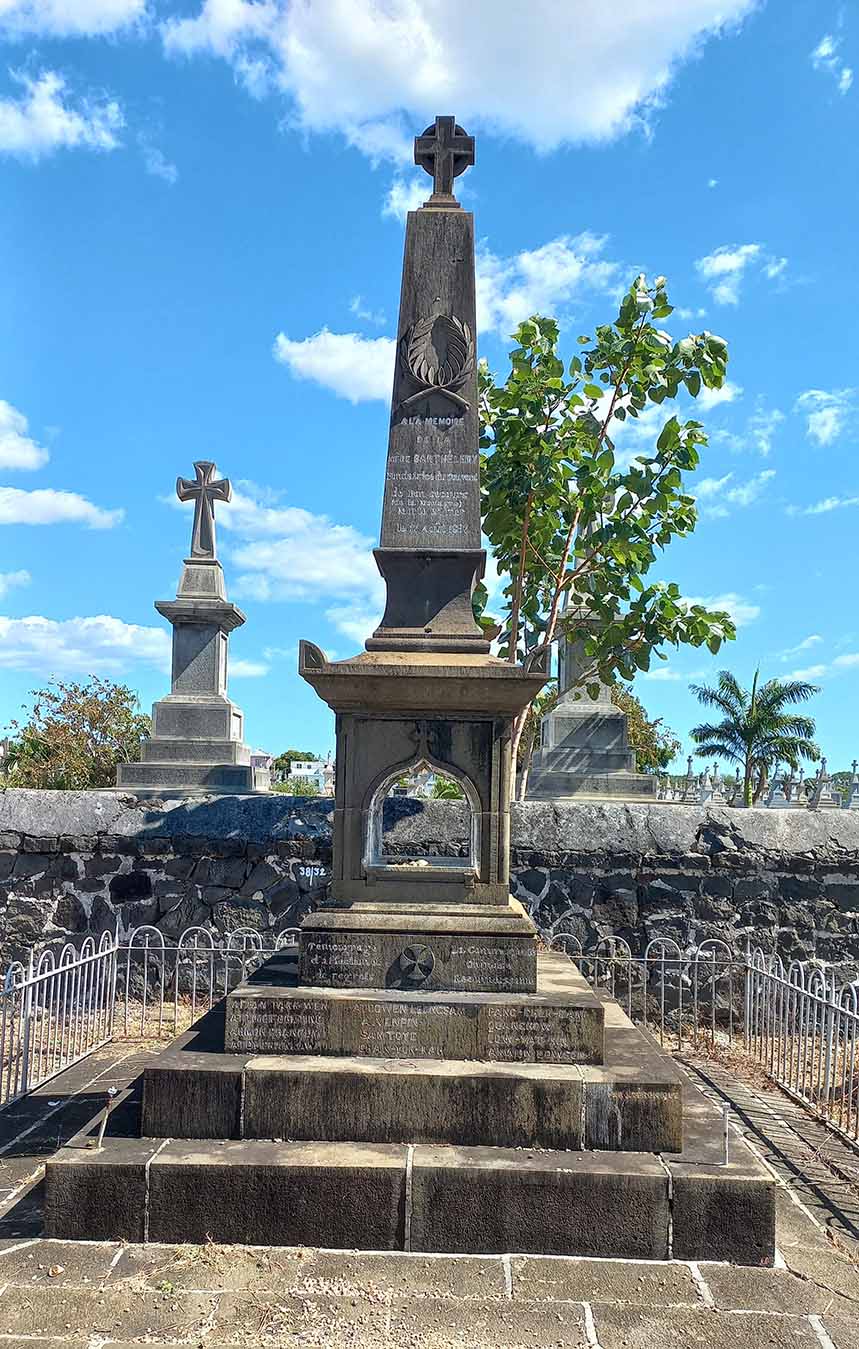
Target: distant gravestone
[
  {"x": 822, "y": 796},
  {"x": 196, "y": 743},
  {"x": 777, "y": 796}
]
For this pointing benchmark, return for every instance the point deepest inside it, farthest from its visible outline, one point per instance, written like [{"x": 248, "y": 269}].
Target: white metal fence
[{"x": 799, "y": 1023}]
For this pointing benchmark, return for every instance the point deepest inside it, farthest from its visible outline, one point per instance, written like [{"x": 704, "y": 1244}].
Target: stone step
[
  {"x": 392, "y": 1197},
  {"x": 158, "y": 749},
  {"x": 549, "y": 785},
  {"x": 186, "y": 776},
  {"x": 561, "y": 1023},
  {"x": 190, "y": 1093}
]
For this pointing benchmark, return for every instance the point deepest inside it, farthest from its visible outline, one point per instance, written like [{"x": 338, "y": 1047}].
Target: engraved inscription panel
[
  {"x": 431, "y": 487},
  {"x": 409, "y": 1030},
  {"x": 539, "y": 1034},
  {"x": 278, "y": 1026},
  {"x": 338, "y": 962}
]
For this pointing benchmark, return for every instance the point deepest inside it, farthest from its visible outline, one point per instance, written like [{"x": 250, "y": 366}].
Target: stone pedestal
[
  {"x": 196, "y": 743},
  {"x": 584, "y": 747}
]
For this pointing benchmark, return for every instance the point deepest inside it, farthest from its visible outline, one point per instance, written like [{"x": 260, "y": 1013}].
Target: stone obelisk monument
[
  {"x": 430, "y": 554},
  {"x": 426, "y": 692},
  {"x": 196, "y": 743}
]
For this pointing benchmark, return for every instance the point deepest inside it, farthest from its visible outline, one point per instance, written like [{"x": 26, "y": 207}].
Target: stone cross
[
  {"x": 204, "y": 492},
  {"x": 445, "y": 151}
]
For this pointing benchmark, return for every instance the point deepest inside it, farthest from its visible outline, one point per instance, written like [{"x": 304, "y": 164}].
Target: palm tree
[{"x": 756, "y": 731}]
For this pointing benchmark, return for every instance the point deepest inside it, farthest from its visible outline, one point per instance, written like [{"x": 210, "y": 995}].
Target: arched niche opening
[{"x": 399, "y": 841}]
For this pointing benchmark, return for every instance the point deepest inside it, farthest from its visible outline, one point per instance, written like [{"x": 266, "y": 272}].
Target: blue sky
[{"x": 201, "y": 224}]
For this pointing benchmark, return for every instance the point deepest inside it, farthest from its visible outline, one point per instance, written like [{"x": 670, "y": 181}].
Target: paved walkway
[{"x": 94, "y": 1294}]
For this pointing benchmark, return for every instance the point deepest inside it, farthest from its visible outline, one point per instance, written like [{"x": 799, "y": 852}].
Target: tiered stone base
[{"x": 425, "y": 1154}]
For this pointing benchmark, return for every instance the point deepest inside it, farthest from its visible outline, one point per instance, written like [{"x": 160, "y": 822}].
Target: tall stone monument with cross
[
  {"x": 419, "y": 1077},
  {"x": 426, "y": 693},
  {"x": 196, "y": 743}
]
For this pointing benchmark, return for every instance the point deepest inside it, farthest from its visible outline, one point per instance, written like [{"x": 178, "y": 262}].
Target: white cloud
[
  {"x": 10, "y": 580},
  {"x": 509, "y": 290},
  {"x": 97, "y": 645},
  {"x": 286, "y": 552},
  {"x": 357, "y": 621},
  {"x": 724, "y": 269},
  {"x": 762, "y": 426},
  {"x": 689, "y": 313},
  {"x": 825, "y": 57},
  {"x": 404, "y": 195},
  {"x": 712, "y": 182},
  {"x": 354, "y": 367},
  {"x": 848, "y": 660},
  {"x": 745, "y": 493},
  {"x": 156, "y": 162},
  {"x": 668, "y": 675},
  {"x": 46, "y": 118},
  {"x": 248, "y": 669},
  {"x": 539, "y": 280},
  {"x": 719, "y": 497},
  {"x": 825, "y": 412},
  {"x": 710, "y": 487},
  {"x": 366, "y": 70},
  {"x": 710, "y": 398},
  {"x": 17, "y": 449},
  {"x": 741, "y": 610},
  {"x": 49, "y": 507},
  {"x": 809, "y": 672},
  {"x": 825, "y": 506},
  {"x": 361, "y": 311},
  {"x": 68, "y": 18},
  {"x": 805, "y": 645}
]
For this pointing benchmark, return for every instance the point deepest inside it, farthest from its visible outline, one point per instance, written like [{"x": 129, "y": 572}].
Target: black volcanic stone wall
[{"x": 72, "y": 863}]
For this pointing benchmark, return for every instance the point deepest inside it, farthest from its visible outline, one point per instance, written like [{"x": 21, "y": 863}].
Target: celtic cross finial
[
  {"x": 445, "y": 151},
  {"x": 204, "y": 492}
]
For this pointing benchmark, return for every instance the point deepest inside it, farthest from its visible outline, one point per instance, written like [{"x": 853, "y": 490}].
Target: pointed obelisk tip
[{"x": 445, "y": 151}]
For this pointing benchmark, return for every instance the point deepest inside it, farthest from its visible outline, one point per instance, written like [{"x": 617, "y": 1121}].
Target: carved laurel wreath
[{"x": 419, "y": 359}]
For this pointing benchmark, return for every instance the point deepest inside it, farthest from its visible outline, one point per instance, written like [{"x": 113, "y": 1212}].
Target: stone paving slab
[
  {"x": 813, "y": 1254},
  {"x": 843, "y": 1334},
  {"x": 736, "y": 1287},
  {"x": 673, "y": 1328},
  {"x": 286, "y": 1319},
  {"x": 57, "y": 1262},
  {"x": 433, "y": 1323},
  {"x": 117, "y": 1312},
  {"x": 640, "y": 1282}
]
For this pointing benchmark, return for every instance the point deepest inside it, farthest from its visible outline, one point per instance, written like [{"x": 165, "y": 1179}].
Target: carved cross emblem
[
  {"x": 204, "y": 492},
  {"x": 417, "y": 963},
  {"x": 445, "y": 151}
]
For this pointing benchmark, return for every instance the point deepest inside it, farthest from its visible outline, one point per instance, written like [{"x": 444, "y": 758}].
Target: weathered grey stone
[
  {"x": 497, "y": 1200},
  {"x": 98, "y": 1196},
  {"x": 194, "y": 1095},
  {"x": 413, "y": 1101},
  {"x": 723, "y": 1213},
  {"x": 562, "y": 1023},
  {"x": 278, "y": 1194}
]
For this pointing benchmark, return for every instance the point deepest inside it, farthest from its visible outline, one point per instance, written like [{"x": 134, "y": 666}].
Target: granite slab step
[
  {"x": 392, "y": 1197},
  {"x": 561, "y": 1023},
  {"x": 192, "y": 1094}
]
